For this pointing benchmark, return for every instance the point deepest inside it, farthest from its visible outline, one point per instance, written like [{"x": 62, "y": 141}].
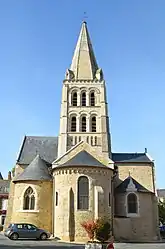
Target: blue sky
[{"x": 36, "y": 46}]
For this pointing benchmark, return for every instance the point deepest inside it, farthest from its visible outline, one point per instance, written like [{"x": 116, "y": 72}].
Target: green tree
[
  {"x": 13, "y": 171},
  {"x": 161, "y": 208}
]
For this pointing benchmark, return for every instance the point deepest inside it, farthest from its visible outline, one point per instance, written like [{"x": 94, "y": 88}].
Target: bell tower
[{"x": 84, "y": 111}]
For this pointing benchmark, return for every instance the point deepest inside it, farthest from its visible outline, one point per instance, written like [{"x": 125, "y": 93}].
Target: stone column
[
  {"x": 78, "y": 123},
  {"x": 87, "y": 124},
  {"x": 78, "y": 98}
]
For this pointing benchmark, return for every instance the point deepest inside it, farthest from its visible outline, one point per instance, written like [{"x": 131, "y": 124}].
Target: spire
[{"x": 84, "y": 65}]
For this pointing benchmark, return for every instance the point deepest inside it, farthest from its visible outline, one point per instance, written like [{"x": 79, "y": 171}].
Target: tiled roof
[
  {"x": 83, "y": 158},
  {"x": 121, "y": 188},
  {"x": 131, "y": 157},
  {"x": 37, "y": 170},
  {"x": 46, "y": 147},
  {"x": 161, "y": 193}
]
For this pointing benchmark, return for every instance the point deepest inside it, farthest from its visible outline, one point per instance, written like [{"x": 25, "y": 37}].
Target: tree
[
  {"x": 13, "y": 171},
  {"x": 161, "y": 208}
]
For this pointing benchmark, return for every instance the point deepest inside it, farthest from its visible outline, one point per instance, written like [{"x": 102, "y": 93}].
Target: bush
[
  {"x": 90, "y": 227},
  {"x": 103, "y": 230},
  {"x": 99, "y": 229}
]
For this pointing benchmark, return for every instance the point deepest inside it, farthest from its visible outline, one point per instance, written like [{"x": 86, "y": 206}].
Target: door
[{"x": 31, "y": 231}]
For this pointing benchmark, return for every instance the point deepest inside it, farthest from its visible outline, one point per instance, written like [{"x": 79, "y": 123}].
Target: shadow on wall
[{"x": 71, "y": 216}]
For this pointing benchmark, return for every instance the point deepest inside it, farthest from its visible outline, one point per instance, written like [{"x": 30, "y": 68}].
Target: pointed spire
[
  {"x": 1, "y": 177},
  {"x": 84, "y": 65}
]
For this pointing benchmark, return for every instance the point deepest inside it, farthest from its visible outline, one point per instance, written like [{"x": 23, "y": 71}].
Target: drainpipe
[
  {"x": 53, "y": 209},
  {"x": 115, "y": 172},
  {"x": 112, "y": 203}
]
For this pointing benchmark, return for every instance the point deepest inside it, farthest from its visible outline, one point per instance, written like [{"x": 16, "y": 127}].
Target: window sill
[
  {"x": 83, "y": 210},
  {"x": 28, "y": 211},
  {"x": 129, "y": 215}
]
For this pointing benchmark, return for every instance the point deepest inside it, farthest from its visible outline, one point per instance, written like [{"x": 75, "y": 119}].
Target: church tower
[{"x": 84, "y": 112}]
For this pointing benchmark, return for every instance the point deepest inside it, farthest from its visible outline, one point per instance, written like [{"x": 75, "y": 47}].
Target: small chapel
[{"x": 61, "y": 181}]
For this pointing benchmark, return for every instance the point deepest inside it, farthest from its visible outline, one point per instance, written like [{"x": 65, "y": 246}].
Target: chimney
[
  {"x": 145, "y": 150},
  {"x": 9, "y": 175}
]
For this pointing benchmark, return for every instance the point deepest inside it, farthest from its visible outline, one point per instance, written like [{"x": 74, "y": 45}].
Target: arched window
[
  {"x": 83, "y": 124},
  {"x": 132, "y": 203},
  {"x": 73, "y": 124},
  {"x": 29, "y": 199},
  {"x": 74, "y": 99},
  {"x": 83, "y": 99},
  {"x": 83, "y": 193},
  {"x": 93, "y": 124},
  {"x": 92, "y": 99}
]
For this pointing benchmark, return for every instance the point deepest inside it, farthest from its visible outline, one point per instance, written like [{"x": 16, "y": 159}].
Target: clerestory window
[
  {"x": 92, "y": 99},
  {"x": 74, "y": 99},
  {"x": 93, "y": 124},
  {"x": 73, "y": 124},
  {"x": 83, "y": 124}
]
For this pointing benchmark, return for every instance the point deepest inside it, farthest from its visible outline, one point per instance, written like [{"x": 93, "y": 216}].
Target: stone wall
[
  {"x": 68, "y": 219},
  {"x": 140, "y": 228},
  {"x": 142, "y": 173},
  {"x": 42, "y": 215}
]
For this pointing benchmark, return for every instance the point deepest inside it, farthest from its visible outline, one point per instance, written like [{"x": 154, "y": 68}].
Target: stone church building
[{"x": 62, "y": 181}]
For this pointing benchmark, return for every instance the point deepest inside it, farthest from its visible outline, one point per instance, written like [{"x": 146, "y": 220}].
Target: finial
[
  {"x": 145, "y": 150},
  {"x": 129, "y": 173}
]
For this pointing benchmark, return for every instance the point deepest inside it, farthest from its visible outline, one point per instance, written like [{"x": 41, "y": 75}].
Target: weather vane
[{"x": 85, "y": 16}]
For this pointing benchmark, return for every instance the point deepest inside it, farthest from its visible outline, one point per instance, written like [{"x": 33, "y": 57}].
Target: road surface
[{"x": 5, "y": 243}]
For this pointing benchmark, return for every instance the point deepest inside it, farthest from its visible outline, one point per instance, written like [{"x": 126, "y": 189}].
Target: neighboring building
[
  {"x": 62, "y": 181},
  {"x": 161, "y": 194},
  {"x": 4, "y": 194}
]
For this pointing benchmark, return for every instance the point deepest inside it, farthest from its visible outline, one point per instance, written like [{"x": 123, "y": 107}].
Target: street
[{"x": 5, "y": 243}]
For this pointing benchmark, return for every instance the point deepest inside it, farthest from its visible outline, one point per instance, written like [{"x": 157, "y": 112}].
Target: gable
[
  {"x": 83, "y": 158},
  {"x": 121, "y": 188},
  {"x": 73, "y": 156}
]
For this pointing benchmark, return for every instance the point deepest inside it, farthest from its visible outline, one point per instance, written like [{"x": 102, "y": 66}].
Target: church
[{"x": 60, "y": 182}]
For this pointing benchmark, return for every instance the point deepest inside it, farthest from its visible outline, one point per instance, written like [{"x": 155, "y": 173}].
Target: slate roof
[
  {"x": 4, "y": 186},
  {"x": 121, "y": 188},
  {"x": 46, "y": 147},
  {"x": 83, "y": 158},
  {"x": 37, "y": 170},
  {"x": 131, "y": 157},
  {"x": 161, "y": 193}
]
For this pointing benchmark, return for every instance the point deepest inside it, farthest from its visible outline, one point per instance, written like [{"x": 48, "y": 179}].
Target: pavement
[{"x": 5, "y": 243}]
